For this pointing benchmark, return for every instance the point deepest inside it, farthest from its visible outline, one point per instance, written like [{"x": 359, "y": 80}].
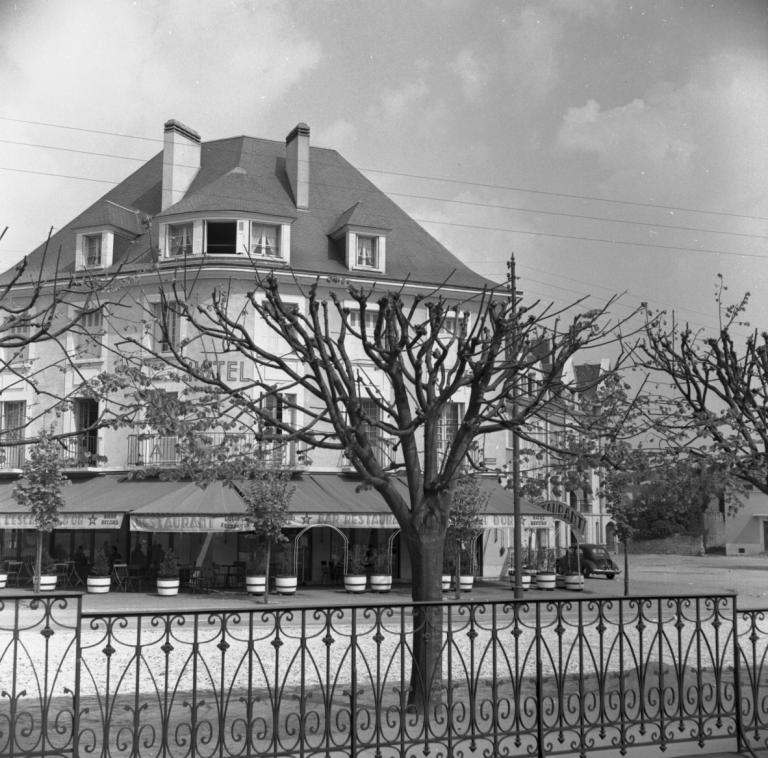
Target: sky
[{"x": 614, "y": 147}]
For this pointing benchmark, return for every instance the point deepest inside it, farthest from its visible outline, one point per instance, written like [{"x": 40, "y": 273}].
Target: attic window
[{"x": 221, "y": 237}]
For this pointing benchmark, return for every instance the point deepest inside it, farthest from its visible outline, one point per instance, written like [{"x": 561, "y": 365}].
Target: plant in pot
[
  {"x": 168, "y": 574},
  {"x": 40, "y": 490},
  {"x": 99, "y": 579},
  {"x": 381, "y": 572},
  {"x": 48, "y": 577},
  {"x": 286, "y": 580},
  {"x": 266, "y": 493},
  {"x": 355, "y": 579},
  {"x": 449, "y": 564},
  {"x": 256, "y": 571},
  {"x": 546, "y": 577},
  {"x": 465, "y": 523},
  {"x": 3, "y": 574}
]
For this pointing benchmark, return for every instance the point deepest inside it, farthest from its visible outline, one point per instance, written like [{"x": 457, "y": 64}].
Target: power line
[
  {"x": 427, "y": 177},
  {"x": 482, "y": 227},
  {"x": 470, "y": 203}
]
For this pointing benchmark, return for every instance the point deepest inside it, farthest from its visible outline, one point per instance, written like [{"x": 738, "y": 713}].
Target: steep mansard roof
[{"x": 248, "y": 174}]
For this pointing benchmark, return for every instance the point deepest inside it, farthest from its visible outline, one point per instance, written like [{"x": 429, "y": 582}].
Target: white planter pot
[
  {"x": 355, "y": 582},
  {"x": 3, "y": 581},
  {"x": 446, "y": 582},
  {"x": 466, "y": 582},
  {"x": 166, "y": 587},
  {"x": 256, "y": 584},
  {"x": 574, "y": 582},
  {"x": 286, "y": 585},
  {"x": 47, "y": 582},
  {"x": 381, "y": 582},
  {"x": 98, "y": 584},
  {"x": 525, "y": 581},
  {"x": 546, "y": 580}
]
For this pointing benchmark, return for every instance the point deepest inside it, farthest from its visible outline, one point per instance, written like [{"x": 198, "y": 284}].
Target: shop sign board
[
  {"x": 197, "y": 523},
  {"x": 565, "y": 513},
  {"x": 66, "y": 521}
]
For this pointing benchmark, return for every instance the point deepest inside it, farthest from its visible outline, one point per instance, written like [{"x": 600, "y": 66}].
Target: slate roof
[{"x": 248, "y": 174}]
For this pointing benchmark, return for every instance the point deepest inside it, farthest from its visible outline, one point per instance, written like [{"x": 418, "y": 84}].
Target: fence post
[
  {"x": 737, "y": 676},
  {"x": 78, "y": 663},
  {"x": 539, "y": 689}
]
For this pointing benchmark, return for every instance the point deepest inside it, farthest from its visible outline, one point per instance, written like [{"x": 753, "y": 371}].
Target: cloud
[
  {"x": 703, "y": 140},
  {"x": 472, "y": 73},
  {"x": 340, "y": 132},
  {"x": 395, "y": 104}
]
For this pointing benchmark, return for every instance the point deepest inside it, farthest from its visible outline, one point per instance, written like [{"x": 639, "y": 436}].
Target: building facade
[{"x": 200, "y": 216}]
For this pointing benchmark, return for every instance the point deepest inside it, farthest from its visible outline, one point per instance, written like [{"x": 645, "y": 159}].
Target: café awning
[
  {"x": 190, "y": 508},
  {"x": 98, "y": 502}
]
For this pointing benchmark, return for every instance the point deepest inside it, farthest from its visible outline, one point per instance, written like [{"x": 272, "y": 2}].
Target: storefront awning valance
[
  {"x": 99, "y": 502},
  {"x": 190, "y": 508}
]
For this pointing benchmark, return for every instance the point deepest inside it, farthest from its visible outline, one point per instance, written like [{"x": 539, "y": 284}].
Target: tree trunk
[
  {"x": 38, "y": 560},
  {"x": 266, "y": 571},
  {"x": 425, "y": 549}
]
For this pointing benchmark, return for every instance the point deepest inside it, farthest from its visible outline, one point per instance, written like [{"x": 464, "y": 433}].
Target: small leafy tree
[
  {"x": 40, "y": 490},
  {"x": 100, "y": 565},
  {"x": 464, "y": 522},
  {"x": 267, "y": 494}
]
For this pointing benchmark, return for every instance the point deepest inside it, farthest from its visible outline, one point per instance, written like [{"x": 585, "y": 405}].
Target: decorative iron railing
[
  {"x": 527, "y": 678},
  {"x": 156, "y": 450}
]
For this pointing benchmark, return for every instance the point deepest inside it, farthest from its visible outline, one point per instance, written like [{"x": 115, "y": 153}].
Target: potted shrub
[
  {"x": 381, "y": 573},
  {"x": 99, "y": 579},
  {"x": 266, "y": 493},
  {"x": 256, "y": 572},
  {"x": 546, "y": 577},
  {"x": 355, "y": 579},
  {"x": 47, "y": 577},
  {"x": 168, "y": 574},
  {"x": 465, "y": 523},
  {"x": 3, "y": 575},
  {"x": 40, "y": 490},
  {"x": 449, "y": 565},
  {"x": 286, "y": 580}
]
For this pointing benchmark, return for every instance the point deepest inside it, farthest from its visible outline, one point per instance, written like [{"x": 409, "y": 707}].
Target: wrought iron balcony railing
[
  {"x": 81, "y": 451},
  {"x": 159, "y": 451}
]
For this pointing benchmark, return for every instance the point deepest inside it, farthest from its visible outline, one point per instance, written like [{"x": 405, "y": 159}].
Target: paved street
[{"x": 649, "y": 575}]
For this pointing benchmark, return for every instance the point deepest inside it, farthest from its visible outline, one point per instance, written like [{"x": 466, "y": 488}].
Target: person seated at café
[{"x": 114, "y": 556}]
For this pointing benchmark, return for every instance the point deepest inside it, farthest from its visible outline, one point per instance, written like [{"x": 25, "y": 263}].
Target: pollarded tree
[
  {"x": 388, "y": 367},
  {"x": 721, "y": 387}
]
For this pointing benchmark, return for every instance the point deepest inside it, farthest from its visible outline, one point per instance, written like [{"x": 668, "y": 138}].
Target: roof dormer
[{"x": 365, "y": 239}]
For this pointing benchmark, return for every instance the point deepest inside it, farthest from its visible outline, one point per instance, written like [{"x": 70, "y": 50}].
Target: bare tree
[
  {"x": 375, "y": 377},
  {"x": 42, "y": 305},
  {"x": 721, "y": 389}
]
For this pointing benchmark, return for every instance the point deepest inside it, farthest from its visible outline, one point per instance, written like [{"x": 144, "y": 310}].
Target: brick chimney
[
  {"x": 297, "y": 164},
  {"x": 181, "y": 161}
]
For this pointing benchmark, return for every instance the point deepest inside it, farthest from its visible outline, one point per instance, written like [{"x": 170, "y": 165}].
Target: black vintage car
[{"x": 592, "y": 560}]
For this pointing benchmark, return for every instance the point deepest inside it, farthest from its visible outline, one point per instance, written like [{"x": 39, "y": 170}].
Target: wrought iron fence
[{"x": 546, "y": 677}]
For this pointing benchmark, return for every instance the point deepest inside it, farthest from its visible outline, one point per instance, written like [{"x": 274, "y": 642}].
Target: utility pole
[{"x": 518, "y": 520}]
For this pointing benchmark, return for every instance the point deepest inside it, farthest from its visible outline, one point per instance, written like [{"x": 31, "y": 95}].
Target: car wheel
[{"x": 609, "y": 576}]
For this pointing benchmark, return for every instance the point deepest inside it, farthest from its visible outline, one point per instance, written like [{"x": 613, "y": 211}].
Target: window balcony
[
  {"x": 159, "y": 451},
  {"x": 13, "y": 456},
  {"x": 82, "y": 451}
]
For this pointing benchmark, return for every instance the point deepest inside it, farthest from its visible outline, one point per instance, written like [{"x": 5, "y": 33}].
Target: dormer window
[
  {"x": 264, "y": 238},
  {"x": 179, "y": 239},
  {"x": 92, "y": 249},
  {"x": 95, "y": 248}
]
